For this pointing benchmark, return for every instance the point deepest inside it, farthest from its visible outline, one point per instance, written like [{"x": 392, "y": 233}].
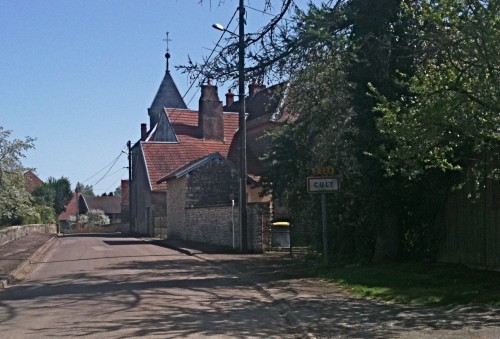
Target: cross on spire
[
  {"x": 167, "y": 39},
  {"x": 167, "y": 54}
]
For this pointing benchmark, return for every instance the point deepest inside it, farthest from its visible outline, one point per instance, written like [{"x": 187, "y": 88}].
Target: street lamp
[
  {"x": 241, "y": 125},
  {"x": 219, "y": 27}
]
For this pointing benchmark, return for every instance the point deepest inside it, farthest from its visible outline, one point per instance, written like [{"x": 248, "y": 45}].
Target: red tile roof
[
  {"x": 32, "y": 181},
  {"x": 162, "y": 157},
  {"x": 109, "y": 205},
  {"x": 71, "y": 208}
]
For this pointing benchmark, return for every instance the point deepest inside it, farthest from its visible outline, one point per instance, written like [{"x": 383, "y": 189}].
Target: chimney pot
[
  {"x": 229, "y": 98},
  {"x": 255, "y": 87},
  {"x": 210, "y": 116},
  {"x": 144, "y": 131}
]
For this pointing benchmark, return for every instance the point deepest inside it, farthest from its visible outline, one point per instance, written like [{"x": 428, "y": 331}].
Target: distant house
[
  {"x": 31, "y": 181},
  {"x": 110, "y": 205},
  {"x": 70, "y": 212},
  {"x": 81, "y": 204}
]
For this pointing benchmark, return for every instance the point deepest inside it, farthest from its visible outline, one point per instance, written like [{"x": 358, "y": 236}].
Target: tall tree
[
  {"x": 55, "y": 193},
  {"x": 445, "y": 129},
  {"x": 15, "y": 201},
  {"x": 450, "y": 119},
  {"x": 86, "y": 190},
  {"x": 399, "y": 95}
]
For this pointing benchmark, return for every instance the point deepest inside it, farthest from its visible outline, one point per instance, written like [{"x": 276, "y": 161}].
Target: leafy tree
[
  {"x": 55, "y": 193},
  {"x": 400, "y": 96},
  {"x": 86, "y": 190},
  {"x": 346, "y": 47},
  {"x": 445, "y": 129},
  {"x": 330, "y": 54},
  {"x": 15, "y": 201},
  {"x": 118, "y": 192},
  {"x": 44, "y": 215},
  {"x": 450, "y": 119}
]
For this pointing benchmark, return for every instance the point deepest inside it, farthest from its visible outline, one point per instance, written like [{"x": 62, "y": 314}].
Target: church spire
[{"x": 168, "y": 95}]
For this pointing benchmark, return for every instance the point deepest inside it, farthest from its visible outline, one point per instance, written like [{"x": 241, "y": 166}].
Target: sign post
[
  {"x": 325, "y": 229},
  {"x": 323, "y": 185}
]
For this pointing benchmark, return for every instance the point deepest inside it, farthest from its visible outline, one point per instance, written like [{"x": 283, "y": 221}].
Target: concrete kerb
[
  {"x": 5, "y": 283},
  {"x": 183, "y": 250},
  {"x": 283, "y": 306}
]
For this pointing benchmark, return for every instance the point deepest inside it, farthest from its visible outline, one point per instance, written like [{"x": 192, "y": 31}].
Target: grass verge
[{"x": 415, "y": 283}]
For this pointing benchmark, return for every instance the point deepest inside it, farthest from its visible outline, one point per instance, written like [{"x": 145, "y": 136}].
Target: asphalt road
[{"x": 113, "y": 287}]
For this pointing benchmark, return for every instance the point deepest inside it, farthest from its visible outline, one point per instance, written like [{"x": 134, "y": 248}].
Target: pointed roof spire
[{"x": 168, "y": 96}]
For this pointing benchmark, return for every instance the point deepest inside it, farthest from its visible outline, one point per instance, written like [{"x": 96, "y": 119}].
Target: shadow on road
[{"x": 172, "y": 295}]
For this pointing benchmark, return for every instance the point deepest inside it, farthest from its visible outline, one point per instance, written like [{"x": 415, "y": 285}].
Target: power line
[
  {"x": 208, "y": 59},
  {"x": 111, "y": 167},
  {"x": 115, "y": 182},
  {"x": 112, "y": 161}
]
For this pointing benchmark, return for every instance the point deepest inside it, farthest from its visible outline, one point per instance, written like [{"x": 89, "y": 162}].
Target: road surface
[{"x": 114, "y": 287}]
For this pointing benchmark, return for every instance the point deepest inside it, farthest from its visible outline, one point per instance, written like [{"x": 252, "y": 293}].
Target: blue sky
[{"x": 79, "y": 75}]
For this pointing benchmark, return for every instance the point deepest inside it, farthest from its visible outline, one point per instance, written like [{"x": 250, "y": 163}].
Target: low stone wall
[
  {"x": 111, "y": 228},
  {"x": 11, "y": 233},
  {"x": 215, "y": 226}
]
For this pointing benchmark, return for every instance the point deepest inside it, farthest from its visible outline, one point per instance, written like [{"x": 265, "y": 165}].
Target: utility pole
[
  {"x": 243, "y": 130},
  {"x": 129, "y": 145}
]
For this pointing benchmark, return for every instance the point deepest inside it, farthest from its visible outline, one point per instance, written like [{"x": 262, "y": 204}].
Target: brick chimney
[
  {"x": 255, "y": 87},
  {"x": 144, "y": 131},
  {"x": 229, "y": 98},
  {"x": 210, "y": 116}
]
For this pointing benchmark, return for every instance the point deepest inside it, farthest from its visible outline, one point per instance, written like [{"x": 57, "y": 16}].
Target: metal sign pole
[
  {"x": 325, "y": 230},
  {"x": 323, "y": 185}
]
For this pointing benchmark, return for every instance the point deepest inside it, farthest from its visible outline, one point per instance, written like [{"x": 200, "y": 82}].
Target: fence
[{"x": 471, "y": 227}]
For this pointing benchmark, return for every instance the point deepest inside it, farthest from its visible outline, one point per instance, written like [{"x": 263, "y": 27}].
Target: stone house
[{"x": 184, "y": 181}]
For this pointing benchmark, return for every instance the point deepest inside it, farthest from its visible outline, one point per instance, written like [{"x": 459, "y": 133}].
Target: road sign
[
  {"x": 328, "y": 170},
  {"x": 322, "y": 184}
]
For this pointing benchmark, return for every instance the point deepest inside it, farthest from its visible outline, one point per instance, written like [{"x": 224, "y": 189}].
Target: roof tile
[{"x": 162, "y": 158}]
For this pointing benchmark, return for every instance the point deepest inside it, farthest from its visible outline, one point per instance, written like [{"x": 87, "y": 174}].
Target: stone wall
[
  {"x": 259, "y": 226},
  {"x": 175, "y": 208},
  {"x": 158, "y": 216},
  {"x": 87, "y": 228},
  {"x": 212, "y": 225},
  {"x": 12, "y": 233},
  {"x": 217, "y": 226},
  {"x": 212, "y": 184}
]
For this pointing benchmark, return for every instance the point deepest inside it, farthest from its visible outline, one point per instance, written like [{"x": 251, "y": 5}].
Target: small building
[
  {"x": 110, "y": 205},
  {"x": 70, "y": 212},
  {"x": 81, "y": 204},
  {"x": 31, "y": 181}
]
